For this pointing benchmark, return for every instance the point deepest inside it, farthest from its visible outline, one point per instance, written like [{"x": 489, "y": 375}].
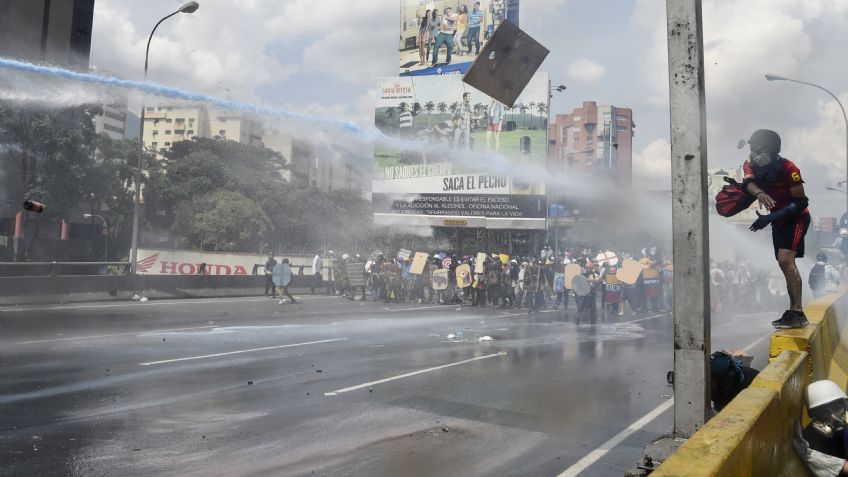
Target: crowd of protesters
[{"x": 495, "y": 280}]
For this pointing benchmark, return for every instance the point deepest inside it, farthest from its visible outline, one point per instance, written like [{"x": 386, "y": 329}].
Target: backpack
[
  {"x": 817, "y": 278},
  {"x": 732, "y": 198}
]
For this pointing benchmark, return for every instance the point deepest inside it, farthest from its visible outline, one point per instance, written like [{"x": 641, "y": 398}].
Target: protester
[
  {"x": 316, "y": 272},
  {"x": 269, "y": 268},
  {"x": 282, "y": 277},
  {"x": 777, "y": 184},
  {"x": 822, "y": 445},
  {"x": 823, "y": 278},
  {"x": 728, "y": 378}
]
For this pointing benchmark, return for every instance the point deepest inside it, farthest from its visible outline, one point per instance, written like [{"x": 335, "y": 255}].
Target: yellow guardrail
[{"x": 752, "y": 436}]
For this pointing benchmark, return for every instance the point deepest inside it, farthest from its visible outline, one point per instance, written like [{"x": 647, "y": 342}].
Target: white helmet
[
  {"x": 843, "y": 232},
  {"x": 345, "y": 256},
  {"x": 823, "y": 392}
]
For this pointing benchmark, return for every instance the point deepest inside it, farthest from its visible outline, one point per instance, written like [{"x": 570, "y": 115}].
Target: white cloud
[
  {"x": 348, "y": 54},
  {"x": 585, "y": 71},
  {"x": 652, "y": 166}
]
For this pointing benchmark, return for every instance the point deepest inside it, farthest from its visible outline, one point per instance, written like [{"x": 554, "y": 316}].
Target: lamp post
[
  {"x": 772, "y": 77},
  {"x": 105, "y": 235},
  {"x": 188, "y": 7},
  {"x": 551, "y": 90}
]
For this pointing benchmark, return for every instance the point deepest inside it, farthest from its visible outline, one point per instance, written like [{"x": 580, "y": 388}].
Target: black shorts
[{"x": 790, "y": 235}]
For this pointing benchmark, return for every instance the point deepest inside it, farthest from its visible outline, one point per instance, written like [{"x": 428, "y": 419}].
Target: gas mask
[
  {"x": 766, "y": 166},
  {"x": 829, "y": 418}
]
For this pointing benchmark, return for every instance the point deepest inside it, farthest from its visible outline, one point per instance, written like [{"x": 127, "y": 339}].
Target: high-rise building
[
  {"x": 594, "y": 140},
  {"x": 113, "y": 121},
  {"x": 235, "y": 127},
  {"x": 166, "y": 125},
  {"x": 51, "y": 31}
]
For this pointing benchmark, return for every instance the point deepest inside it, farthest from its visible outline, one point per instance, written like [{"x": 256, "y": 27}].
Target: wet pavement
[{"x": 332, "y": 387}]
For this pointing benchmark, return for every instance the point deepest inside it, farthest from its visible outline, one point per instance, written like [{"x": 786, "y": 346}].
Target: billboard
[
  {"x": 461, "y": 26},
  {"x": 421, "y": 186}
]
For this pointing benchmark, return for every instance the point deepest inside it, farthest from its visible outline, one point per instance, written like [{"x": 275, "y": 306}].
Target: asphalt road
[{"x": 332, "y": 387}]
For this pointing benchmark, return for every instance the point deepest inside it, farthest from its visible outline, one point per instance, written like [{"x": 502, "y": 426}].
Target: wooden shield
[
  {"x": 630, "y": 271},
  {"x": 418, "y": 263},
  {"x": 440, "y": 279},
  {"x": 463, "y": 275},
  {"x": 479, "y": 266},
  {"x": 356, "y": 274},
  {"x": 571, "y": 270}
]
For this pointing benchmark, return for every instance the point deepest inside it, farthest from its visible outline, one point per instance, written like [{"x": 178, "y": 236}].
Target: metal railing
[{"x": 40, "y": 269}]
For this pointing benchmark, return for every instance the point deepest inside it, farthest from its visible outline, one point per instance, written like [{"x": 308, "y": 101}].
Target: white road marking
[
  {"x": 75, "y": 338},
  {"x": 596, "y": 454},
  {"x": 414, "y": 373},
  {"x": 185, "y": 301},
  {"x": 601, "y": 451},
  {"x": 151, "y": 363},
  {"x": 641, "y": 319}
]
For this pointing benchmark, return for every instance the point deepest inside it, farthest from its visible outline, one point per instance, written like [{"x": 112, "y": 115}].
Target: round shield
[
  {"x": 581, "y": 285},
  {"x": 607, "y": 256}
]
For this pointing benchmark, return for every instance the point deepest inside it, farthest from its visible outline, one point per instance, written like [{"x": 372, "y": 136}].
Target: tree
[
  {"x": 442, "y": 107},
  {"x": 429, "y": 107},
  {"x": 223, "y": 221},
  {"x": 542, "y": 108}
]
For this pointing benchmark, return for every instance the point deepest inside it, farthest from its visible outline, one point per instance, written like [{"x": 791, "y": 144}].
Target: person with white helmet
[
  {"x": 841, "y": 244},
  {"x": 822, "y": 445}
]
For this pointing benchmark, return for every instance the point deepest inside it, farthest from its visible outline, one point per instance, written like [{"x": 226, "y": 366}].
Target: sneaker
[{"x": 791, "y": 319}]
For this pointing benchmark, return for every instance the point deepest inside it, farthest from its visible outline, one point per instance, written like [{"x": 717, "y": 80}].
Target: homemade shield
[
  {"x": 440, "y": 279},
  {"x": 607, "y": 256},
  {"x": 630, "y": 271},
  {"x": 506, "y": 64},
  {"x": 581, "y": 285},
  {"x": 571, "y": 270},
  {"x": 463, "y": 275},
  {"x": 356, "y": 274},
  {"x": 418, "y": 263}
]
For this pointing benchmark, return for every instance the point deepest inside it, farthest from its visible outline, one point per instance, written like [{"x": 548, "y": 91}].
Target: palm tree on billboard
[
  {"x": 442, "y": 107},
  {"x": 542, "y": 108},
  {"x": 390, "y": 112},
  {"x": 532, "y": 107},
  {"x": 429, "y": 107},
  {"x": 523, "y": 108}
]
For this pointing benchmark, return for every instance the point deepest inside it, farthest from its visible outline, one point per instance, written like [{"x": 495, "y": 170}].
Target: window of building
[
  {"x": 621, "y": 129},
  {"x": 167, "y": 131},
  {"x": 180, "y": 120},
  {"x": 620, "y": 117},
  {"x": 577, "y": 118},
  {"x": 222, "y": 132},
  {"x": 190, "y": 132},
  {"x": 169, "y": 109},
  {"x": 169, "y": 120},
  {"x": 155, "y": 133},
  {"x": 167, "y": 144},
  {"x": 607, "y": 115},
  {"x": 149, "y": 109},
  {"x": 154, "y": 144}
]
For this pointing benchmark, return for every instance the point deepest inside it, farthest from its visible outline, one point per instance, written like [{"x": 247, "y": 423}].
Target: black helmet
[
  {"x": 766, "y": 138},
  {"x": 821, "y": 257}
]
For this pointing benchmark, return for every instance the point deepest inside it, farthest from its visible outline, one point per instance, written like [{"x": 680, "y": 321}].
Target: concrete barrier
[
  {"x": 752, "y": 436},
  {"x": 69, "y": 289}
]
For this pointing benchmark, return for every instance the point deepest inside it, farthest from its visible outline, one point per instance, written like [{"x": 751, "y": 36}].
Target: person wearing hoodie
[
  {"x": 282, "y": 277},
  {"x": 823, "y": 278}
]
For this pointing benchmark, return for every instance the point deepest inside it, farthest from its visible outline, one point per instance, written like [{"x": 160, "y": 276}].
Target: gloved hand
[
  {"x": 761, "y": 222},
  {"x": 818, "y": 463}
]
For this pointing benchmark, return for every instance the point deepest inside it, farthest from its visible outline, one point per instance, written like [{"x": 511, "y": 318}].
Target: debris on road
[
  {"x": 485, "y": 338},
  {"x": 250, "y": 383}
]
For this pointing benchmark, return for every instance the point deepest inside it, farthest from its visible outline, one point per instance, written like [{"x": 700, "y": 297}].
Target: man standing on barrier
[{"x": 776, "y": 183}]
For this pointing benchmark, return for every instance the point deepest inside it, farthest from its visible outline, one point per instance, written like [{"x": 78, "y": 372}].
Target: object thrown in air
[{"x": 506, "y": 64}]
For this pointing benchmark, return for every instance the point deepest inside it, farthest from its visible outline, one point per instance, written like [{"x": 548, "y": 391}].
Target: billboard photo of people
[
  {"x": 444, "y": 111},
  {"x": 445, "y": 36}
]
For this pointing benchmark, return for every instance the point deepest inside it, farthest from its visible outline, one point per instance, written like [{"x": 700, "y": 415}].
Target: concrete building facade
[
  {"x": 47, "y": 31},
  {"x": 594, "y": 140},
  {"x": 235, "y": 127},
  {"x": 167, "y": 125}
]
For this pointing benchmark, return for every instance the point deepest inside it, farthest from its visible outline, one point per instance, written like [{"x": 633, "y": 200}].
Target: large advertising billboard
[
  {"x": 445, "y": 36},
  {"x": 421, "y": 185}
]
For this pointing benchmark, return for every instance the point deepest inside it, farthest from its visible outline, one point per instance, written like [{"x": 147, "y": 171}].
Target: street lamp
[
  {"x": 772, "y": 77},
  {"x": 105, "y": 235},
  {"x": 188, "y": 7}
]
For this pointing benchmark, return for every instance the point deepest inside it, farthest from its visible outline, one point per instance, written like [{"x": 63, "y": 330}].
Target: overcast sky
[{"x": 323, "y": 57}]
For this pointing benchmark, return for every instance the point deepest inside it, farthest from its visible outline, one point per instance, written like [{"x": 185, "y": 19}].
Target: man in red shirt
[{"x": 777, "y": 184}]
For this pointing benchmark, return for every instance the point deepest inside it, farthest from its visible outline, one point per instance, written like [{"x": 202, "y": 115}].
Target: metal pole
[
  {"x": 140, "y": 164},
  {"x": 689, "y": 216}
]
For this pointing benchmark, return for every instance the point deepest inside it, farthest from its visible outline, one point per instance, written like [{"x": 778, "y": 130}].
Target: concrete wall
[
  {"x": 752, "y": 436},
  {"x": 67, "y": 289}
]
